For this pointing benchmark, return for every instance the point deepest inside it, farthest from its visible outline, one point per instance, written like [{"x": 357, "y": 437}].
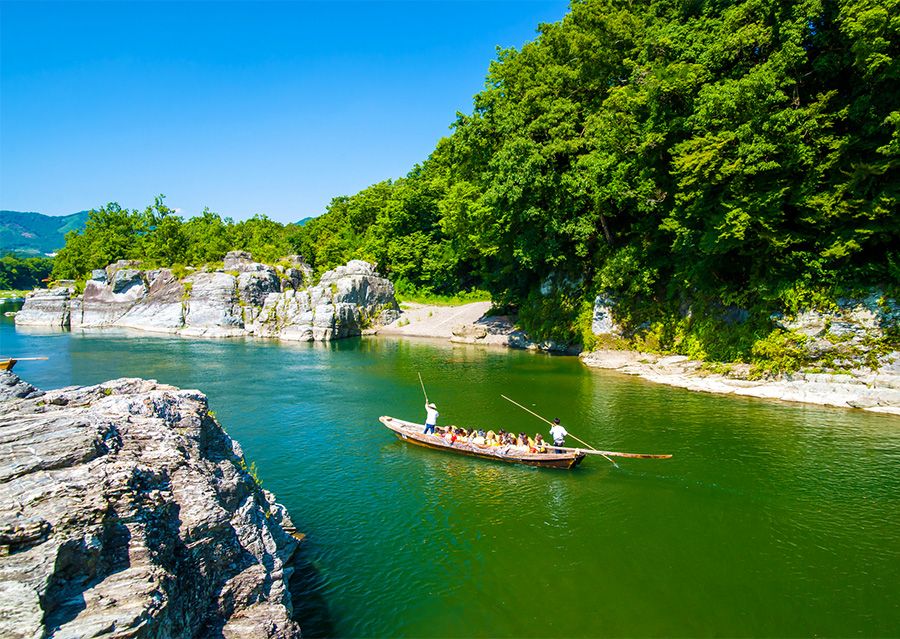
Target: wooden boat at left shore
[
  {"x": 7, "y": 364},
  {"x": 412, "y": 433}
]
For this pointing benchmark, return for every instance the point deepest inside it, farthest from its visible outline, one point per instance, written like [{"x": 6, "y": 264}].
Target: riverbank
[
  {"x": 876, "y": 391},
  {"x": 464, "y": 324},
  {"x": 873, "y": 391}
]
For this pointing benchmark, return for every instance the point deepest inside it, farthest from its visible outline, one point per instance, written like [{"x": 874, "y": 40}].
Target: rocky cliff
[
  {"x": 242, "y": 298},
  {"x": 847, "y": 356},
  {"x": 126, "y": 511}
]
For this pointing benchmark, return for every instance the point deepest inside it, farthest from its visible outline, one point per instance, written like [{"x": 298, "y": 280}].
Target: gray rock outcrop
[
  {"x": 11, "y": 387},
  {"x": 846, "y": 336},
  {"x": 126, "y": 511},
  {"x": 602, "y": 320},
  {"x": 243, "y": 298},
  {"x": 46, "y": 307},
  {"x": 344, "y": 302}
]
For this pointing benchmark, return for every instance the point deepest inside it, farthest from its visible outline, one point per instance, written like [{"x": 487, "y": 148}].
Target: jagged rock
[
  {"x": 212, "y": 306},
  {"x": 255, "y": 286},
  {"x": 46, "y": 307},
  {"x": 11, "y": 387},
  {"x": 162, "y": 309},
  {"x": 470, "y": 331},
  {"x": 854, "y": 319},
  {"x": 242, "y": 262},
  {"x": 103, "y": 304},
  {"x": 345, "y": 301},
  {"x": 260, "y": 300},
  {"x": 99, "y": 275},
  {"x": 602, "y": 322},
  {"x": 125, "y": 510},
  {"x": 126, "y": 279}
]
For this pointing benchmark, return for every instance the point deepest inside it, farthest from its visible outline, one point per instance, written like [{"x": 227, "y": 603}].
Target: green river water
[{"x": 771, "y": 519}]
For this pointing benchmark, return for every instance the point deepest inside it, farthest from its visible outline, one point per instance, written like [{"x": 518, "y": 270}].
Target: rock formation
[
  {"x": 46, "y": 307},
  {"x": 242, "y": 298},
  {"x": 875, "y": 390},
  {"x": 125, "y": 510}
]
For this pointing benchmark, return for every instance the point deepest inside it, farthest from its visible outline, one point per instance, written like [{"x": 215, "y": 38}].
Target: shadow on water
[{"x": 310, "y": 607}]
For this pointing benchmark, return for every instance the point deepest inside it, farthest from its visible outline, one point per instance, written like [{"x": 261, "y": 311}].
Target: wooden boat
[{"x": 412, "y": 433}]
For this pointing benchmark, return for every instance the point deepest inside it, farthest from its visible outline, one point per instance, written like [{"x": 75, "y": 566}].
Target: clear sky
[{"x": 261, "y": 107}]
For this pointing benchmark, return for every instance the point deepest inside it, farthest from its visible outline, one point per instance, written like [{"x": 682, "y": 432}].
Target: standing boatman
[
  {"x": 558, "y": 433},
  {"x": 431, "y": 416}
]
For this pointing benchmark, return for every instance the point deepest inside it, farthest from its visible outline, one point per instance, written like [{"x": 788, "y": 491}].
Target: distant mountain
[
  {"x": 35, "y": 233},
  {"x": 304, "y": 221}
]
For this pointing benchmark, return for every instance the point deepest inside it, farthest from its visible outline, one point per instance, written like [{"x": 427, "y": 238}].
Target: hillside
[
  {"x": 35, "y": 233},
  {"x": 696, "y": 169}
]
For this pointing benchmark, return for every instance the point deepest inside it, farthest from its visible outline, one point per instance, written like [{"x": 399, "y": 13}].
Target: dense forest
[
  {"x": 23, "y": 273},
  {"x": 693, "y": 161}
]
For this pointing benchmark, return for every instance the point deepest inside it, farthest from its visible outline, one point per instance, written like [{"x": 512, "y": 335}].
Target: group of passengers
[
  {"x": 503, "y": 441},
  {"x": 522, "y": 442}
]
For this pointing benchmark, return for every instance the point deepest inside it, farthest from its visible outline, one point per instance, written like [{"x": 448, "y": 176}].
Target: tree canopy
[
  {"x": 159, "y": 237},
  {"x": 671, "y": 154},
  {"x": 662, "y": 152}
]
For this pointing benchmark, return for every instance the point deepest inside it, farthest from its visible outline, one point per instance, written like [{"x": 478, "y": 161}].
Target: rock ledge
[{"x": 125, "y": 510}]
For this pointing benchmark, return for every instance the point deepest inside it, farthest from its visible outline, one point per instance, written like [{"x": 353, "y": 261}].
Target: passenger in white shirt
[{"x": 431, "y": 416}]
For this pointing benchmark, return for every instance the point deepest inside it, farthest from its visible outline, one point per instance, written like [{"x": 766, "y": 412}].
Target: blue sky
[{"x": 246, "y": 108}]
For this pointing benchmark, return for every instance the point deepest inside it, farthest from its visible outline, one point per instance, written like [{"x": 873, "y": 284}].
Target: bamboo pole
[
  {"x": 613, "y": 453},
  {"x": 423, "y": 387},
  {"x": 552, "y": 424}
]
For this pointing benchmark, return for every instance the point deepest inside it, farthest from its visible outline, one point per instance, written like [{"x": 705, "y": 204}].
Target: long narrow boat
[{"x": 412, "y": 433}]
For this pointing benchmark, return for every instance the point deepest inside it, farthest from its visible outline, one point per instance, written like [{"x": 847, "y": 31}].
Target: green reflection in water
[{"x": 771, "y": 520}]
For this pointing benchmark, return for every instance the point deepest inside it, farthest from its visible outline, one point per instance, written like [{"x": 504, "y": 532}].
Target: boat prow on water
[
  {"x": 7, "y": 364},
  {"x": 413, "y": 433}
]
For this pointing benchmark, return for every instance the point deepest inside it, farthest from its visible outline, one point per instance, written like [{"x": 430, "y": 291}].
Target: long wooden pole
[
  {"x": 552, "y": 424},
  {"x": 613, "y": 453},
  {"x": 423, "y": 387}
]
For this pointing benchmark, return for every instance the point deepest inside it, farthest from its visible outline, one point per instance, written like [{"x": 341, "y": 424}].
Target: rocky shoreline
[
  {"x": 844, "y": 346},
  {"x": 126, "y": 510},
  {"x": 243, "y": 297},
  {"x": 873, "y": 390},
  {"x": 876, "y": 391}
]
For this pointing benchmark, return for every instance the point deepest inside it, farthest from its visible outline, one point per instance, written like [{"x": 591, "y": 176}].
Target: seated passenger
[
  {"x": 539, "y": 443},
  {"x": 479, "y": 439}
]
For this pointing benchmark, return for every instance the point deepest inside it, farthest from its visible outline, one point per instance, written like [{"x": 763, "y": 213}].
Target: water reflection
[{"x": 785, "y": 502}]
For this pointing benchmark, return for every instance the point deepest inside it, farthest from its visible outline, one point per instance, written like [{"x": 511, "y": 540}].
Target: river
[{"x": 770, "y": 520}]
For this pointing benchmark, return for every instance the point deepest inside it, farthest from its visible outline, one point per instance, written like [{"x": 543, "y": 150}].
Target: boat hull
[
  {"x": 7, "y": 364},
  {"x": 412, "y": 433}
]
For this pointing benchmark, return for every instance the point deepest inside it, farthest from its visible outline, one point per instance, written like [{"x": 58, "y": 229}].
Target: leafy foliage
[
  {"x": 671, "y": 155},
  {"x": 159, "y": 237},
  {"x": 21, "y": 274}
]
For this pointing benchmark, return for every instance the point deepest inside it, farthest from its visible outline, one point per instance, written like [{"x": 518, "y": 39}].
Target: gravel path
[{"x": 425, "y": 320}]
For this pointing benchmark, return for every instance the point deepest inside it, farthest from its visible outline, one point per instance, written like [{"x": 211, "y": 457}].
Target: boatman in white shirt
[
  {"x": 431, "y": 416},
  {"x": 558, "y": 433}
]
